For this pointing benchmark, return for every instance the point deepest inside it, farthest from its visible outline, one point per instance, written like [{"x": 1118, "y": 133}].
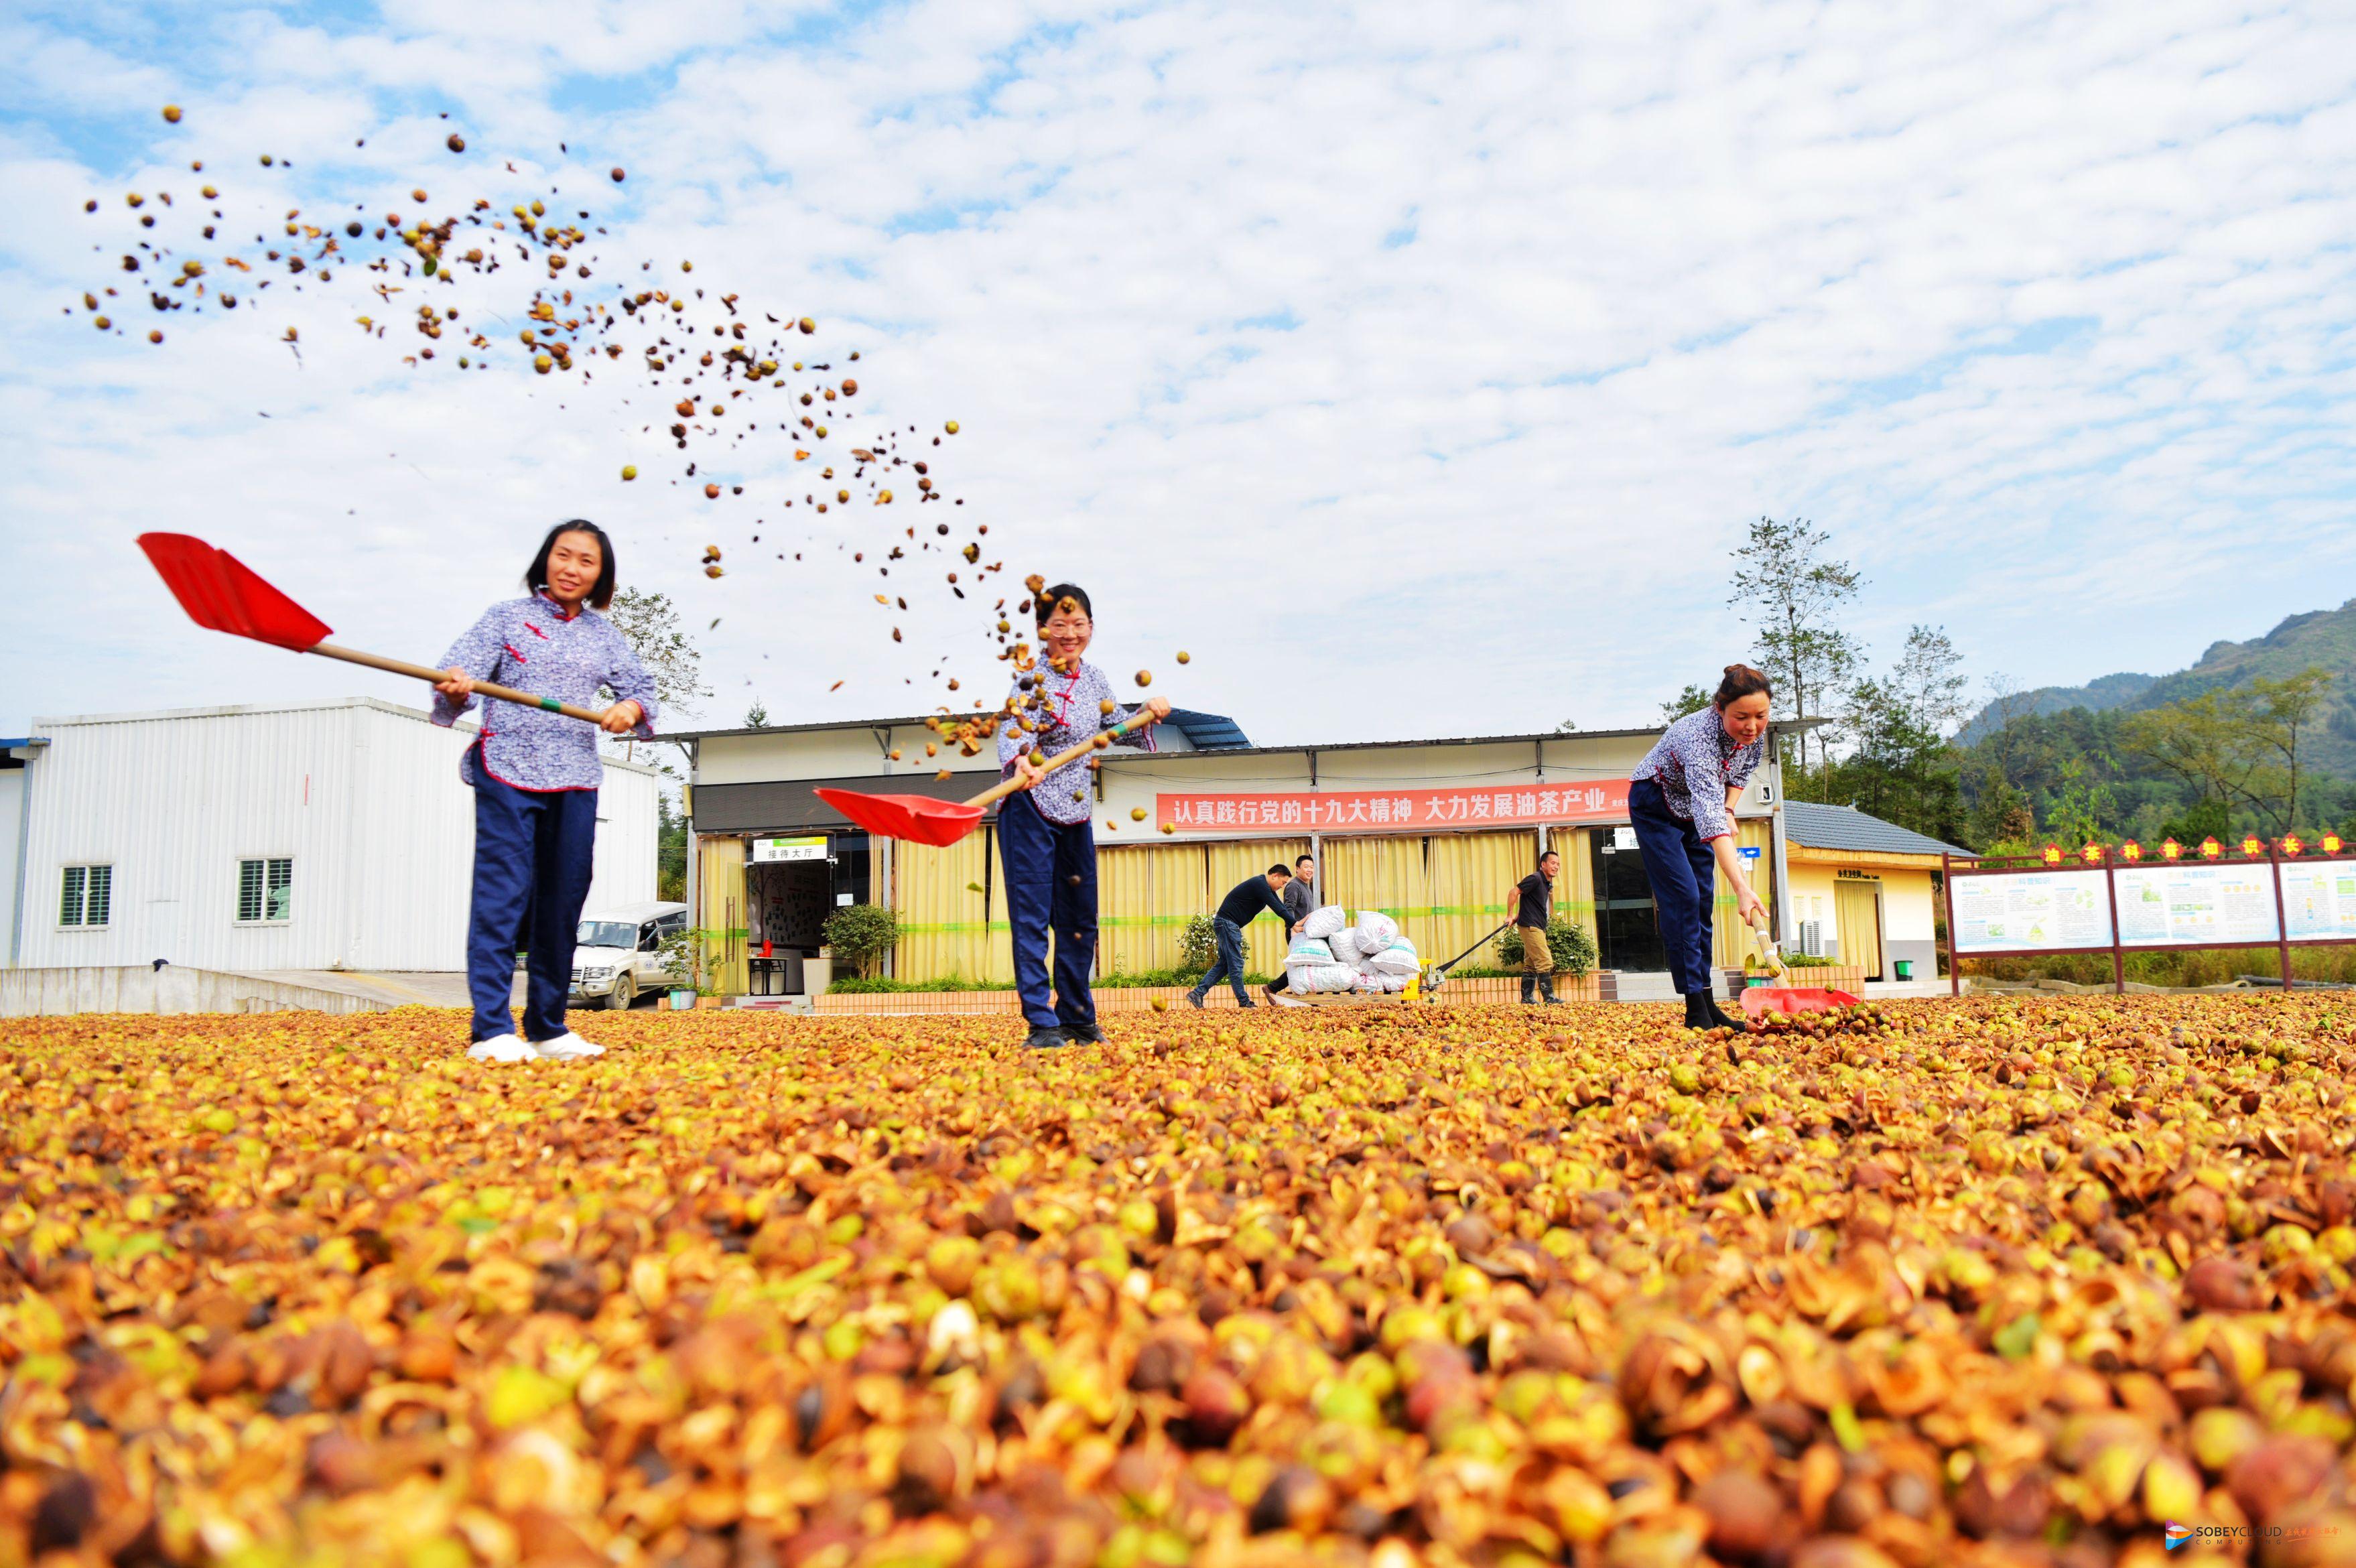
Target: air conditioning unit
[{"x": 1812, "y": 938}]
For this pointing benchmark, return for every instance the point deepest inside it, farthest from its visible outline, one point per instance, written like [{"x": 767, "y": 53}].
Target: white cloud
[{"x": 2042, "y": 313}]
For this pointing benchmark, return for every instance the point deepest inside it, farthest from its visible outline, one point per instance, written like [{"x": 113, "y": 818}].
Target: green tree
[
  {"x": 1790, "y": 590},
  {"x": 670, "y": 849},
  {"x": 1928, "y": 682},
  {"x": 862, "y": 934},
  {"x": 2210, "y": 742},
  {"x": 1692, "y": 700},
  {"x": 2280, "y": 712},
  {"x": 649, "y": 623},
  {"x": 757, "y": 716}
]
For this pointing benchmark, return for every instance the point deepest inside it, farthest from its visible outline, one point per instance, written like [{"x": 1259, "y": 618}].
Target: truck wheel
[{"x": 618, "y": 1000}]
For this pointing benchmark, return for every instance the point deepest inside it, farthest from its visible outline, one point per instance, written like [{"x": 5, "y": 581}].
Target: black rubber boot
[
  {"x": 1546, "y": 989},
  {"x": 1044, "y": 1040},
  {"x": 1698, "y": 1011},
  {"x": 1529, "y": 989},
  {"x": 1084, "y": 1034},
  {"x": 1720, "y": 1018}
]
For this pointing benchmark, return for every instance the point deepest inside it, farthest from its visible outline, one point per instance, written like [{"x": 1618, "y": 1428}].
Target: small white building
[{"x": 298, "y": 836}]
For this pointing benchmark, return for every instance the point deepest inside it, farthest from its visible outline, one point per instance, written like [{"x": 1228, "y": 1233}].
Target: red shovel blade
[
  {"x": 919, "y": 819},
  {"x": 221, "y": 593},
  {"x": 1761, "y": 999}
]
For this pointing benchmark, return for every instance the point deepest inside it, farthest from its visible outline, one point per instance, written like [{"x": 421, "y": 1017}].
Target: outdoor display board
[
  {"x": 2267, "y": 897},
  {"x": 2198, "y": 904},
  {"x": 2033, "y": 911},
  {"x": 2319, "y": 900}
]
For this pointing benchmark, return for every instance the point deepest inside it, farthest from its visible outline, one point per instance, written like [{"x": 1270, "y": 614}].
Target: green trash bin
[{"x": 1905, "y": 967}]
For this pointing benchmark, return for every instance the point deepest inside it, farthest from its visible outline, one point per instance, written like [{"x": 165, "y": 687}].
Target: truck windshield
[{"x": 607, "y": 934}]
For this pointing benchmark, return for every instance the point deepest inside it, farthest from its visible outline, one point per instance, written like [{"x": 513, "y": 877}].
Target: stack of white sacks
[{"x": 1332, "y": 954}]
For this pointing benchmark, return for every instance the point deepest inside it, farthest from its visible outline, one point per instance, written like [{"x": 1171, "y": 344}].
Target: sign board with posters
[
  {"x": 2319, "y": 900},
  {"x": 2268, "y": 895},
  {"x": 2034, "y": 911},
  {"x": 1403, "y": 810},
  {"x": 2197, "y": 905}
]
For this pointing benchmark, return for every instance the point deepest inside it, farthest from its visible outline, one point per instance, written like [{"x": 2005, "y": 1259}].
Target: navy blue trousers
[
  {"x": 1230, "y": 961},
  {"x": 1051, "y": 883},
  {"x": 532, "y": 851},
  {"x": 1684, "y": 875}
]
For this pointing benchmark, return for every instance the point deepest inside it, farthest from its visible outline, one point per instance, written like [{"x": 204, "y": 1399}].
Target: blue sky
[{"x": 1418, "y": 379}]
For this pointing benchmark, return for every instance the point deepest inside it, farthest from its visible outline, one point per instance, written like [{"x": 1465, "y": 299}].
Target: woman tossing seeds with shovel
[
  {"x": 1046, "y": 840},
  {"x": 536, "y": 773}
]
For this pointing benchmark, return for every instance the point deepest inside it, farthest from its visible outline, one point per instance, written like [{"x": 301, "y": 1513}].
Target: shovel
[
  {"x": 1758, "y": 1000},
  {"x": 221, "y": 592},
  {"x": 920, "y": 819}
]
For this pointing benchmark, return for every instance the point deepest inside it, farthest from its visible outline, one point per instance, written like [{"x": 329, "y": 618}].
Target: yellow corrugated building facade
[{"x": 1434, "y": 832}]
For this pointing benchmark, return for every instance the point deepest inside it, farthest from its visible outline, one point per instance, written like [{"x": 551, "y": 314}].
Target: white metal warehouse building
[{"x": 303, "y": 836}]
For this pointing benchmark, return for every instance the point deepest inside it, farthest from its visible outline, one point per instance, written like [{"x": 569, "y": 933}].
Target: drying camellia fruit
[
  {"x": 420, "y": 277},
  {"x": 1987, "y": 1283}
]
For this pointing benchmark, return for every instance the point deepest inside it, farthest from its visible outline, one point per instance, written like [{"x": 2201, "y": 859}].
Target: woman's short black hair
[
  {"x": 535, "y": 576},
  {"x": 1045, "y": 603}
]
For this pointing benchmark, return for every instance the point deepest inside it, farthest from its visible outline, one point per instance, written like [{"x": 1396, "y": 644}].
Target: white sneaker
[
  {"x": 502, "y": 1049},
  {"x": 566, "y": 1048}
]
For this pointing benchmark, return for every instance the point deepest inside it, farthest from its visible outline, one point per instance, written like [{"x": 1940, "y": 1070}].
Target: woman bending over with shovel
[
  {"x": 1682, "y": 800},
  {"x": 535, "y": 775},
  {"x": 1045, "y": 838}
]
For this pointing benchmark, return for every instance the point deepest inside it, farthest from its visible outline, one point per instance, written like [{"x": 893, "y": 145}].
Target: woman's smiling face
[{"x": 1066, "y": 632}]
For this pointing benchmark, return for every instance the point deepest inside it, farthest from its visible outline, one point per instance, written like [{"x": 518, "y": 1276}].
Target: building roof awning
[
  {"x": 1821, "y": 827},
  {"x": 791, "y": 805},
  {"x": 1205, "y": 731}
]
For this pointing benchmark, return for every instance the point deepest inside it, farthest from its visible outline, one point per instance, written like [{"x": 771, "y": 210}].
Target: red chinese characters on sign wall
[{"x": 1394, "y": 810}]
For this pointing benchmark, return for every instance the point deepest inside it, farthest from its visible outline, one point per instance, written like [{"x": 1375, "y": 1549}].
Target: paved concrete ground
[{"x": 421, "y": 988}]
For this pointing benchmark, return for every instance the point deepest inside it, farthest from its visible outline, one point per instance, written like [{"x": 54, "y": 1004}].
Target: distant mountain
[
  {"x": 2326, "y": 637},
  {"x": 2105, "y": 691}
]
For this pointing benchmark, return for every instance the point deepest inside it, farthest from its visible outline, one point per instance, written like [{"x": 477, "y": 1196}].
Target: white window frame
[
  {"x": 85, "y": 868},
  {"x": 265, "y": 862}
]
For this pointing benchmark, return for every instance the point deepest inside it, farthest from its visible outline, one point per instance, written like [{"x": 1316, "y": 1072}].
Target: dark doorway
[{"x": 1627, "y": 935}]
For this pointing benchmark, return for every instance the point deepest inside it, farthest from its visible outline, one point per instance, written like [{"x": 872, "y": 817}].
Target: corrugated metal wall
[
  {"x": 719, "y": 890},
  {"x": 1444, "y": 890},
  {"x": 1574, "y": 889},
  {"x": 1145, "y": 894},
  {"x": 363, "y": 797},
  {"x": 944, "y": 921},
  {"x": 1727, "y": 939}
]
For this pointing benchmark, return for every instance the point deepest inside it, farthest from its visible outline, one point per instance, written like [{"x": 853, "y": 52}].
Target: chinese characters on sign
[{"x": 1390, "y": 810}]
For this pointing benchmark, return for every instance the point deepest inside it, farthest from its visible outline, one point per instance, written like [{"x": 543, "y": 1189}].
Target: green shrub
[
  {"x": 877, "y": 985},
  {"x": 1199, "y": 947},
  {"x": 860, "y": 934},
  {"x": 1572, "y": 948}
]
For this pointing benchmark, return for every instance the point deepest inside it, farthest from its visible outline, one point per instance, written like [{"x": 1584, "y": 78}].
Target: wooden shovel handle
[
  {"x": 1061, "y": 759},
  {"x": 482, "y": 687}
]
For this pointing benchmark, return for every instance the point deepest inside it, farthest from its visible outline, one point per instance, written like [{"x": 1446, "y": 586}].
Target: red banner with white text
[{"x": 1402, "y": 809}]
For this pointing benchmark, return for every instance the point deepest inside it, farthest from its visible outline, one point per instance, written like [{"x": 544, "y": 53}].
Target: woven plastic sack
[
  {"x": 1344, "y": 946},
  {"x": 1394, "y": 984},
  {"x": 1367, "y": 983},
  {"x": 1308, "y": 949},
  {"x": 1399, "y": 958},
  {"x": 1325, "y": 921},
  {"x": 1321, "y": 977},
  {"x": 1376, "y": 930}
]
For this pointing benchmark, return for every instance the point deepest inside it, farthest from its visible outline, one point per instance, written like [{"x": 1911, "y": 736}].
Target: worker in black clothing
[
  {"x": 1236, "y": 910},
  {"x": 1299, "y": 898},
  {"x": 1531, "y": 903}
]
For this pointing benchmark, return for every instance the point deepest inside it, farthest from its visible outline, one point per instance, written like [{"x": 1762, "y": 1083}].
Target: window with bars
[
  {"x": 87, "y": 895},
  {"x": 266, "y": 891}
]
